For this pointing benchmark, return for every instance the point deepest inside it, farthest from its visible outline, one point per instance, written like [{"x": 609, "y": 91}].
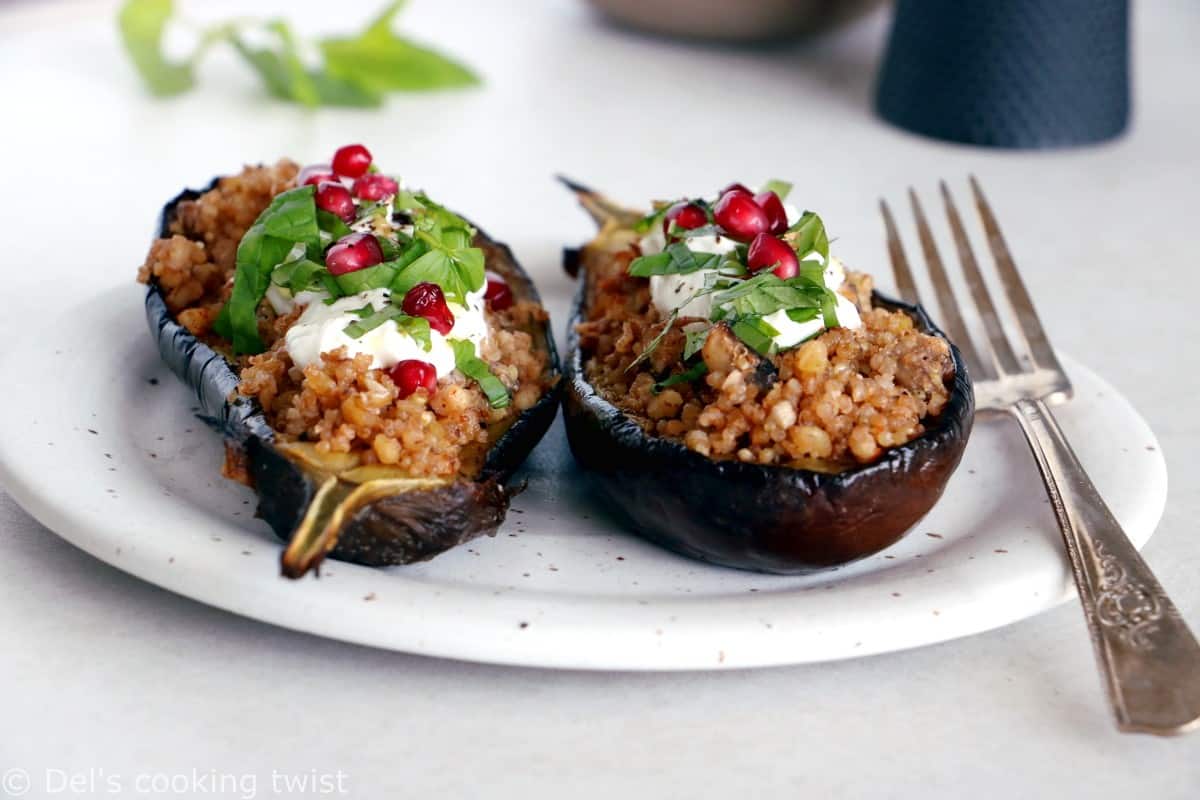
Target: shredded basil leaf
[
  {"x": 477, "y": 370},
  {"x": 676, "y": 259},
  {"x": 781, "y": 188},
  {"x": 756, "y": 332},
  {"x": 802, "y": 314},
  {"x": 416, "y": 327},
  {"x": 693, "y": 341},
  {"x": 808, "y": 236},
  {"x": 299, "y": 276},
  {"x": 332, "y": 224},
  {"x": 379, "y": 276},
  {"x": 696, "y": 371},
  {"x": 292, "y": 212}
]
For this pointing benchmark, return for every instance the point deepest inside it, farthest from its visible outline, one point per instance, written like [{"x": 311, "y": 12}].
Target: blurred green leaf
[
  {"x": 142, "y": 23},
  {"x": 286, "y": 77},
  {"x": 386, "y": 62}
]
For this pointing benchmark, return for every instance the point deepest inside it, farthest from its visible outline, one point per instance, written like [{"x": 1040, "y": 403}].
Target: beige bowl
[{"x": 733, "y": 20}]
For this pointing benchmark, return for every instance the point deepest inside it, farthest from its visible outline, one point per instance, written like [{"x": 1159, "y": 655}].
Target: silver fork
[{"x": 1149, "y": 658}]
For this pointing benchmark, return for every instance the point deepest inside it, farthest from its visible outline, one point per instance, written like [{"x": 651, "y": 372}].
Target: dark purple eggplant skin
[
  {"x": 400, "y": 529},
  {"x": 761, "y": 518}
]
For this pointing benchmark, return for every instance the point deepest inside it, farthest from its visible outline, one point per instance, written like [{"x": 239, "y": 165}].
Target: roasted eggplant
[
  {"x": 777, "y": 519},
  {"x": 363, "y": 515}
]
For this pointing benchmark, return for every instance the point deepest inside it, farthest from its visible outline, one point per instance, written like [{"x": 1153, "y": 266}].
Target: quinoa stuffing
[
  {"x": 727, "y": 326},
  {"x": 365, "y": 319}
]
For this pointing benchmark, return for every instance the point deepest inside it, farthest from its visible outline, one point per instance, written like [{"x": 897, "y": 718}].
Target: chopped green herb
[
  {"x": 332, "y": 224},
  {"x": 379, "y": 276},
  {"x": 781, "y": 188},
  {"x": 692, "y": 342},
  {"x": 259, "y": 252},
  {"x": 300, "y": 275},
  {"x": 803, "y": 314},
  {"x": 699, "y": 370},
  {"x": 767, "y": 293},
  {"x": 416, "y": 327},
  {"x": 676, "y": 259},
  {"x": 808, "y": 236},
  {"x": 477, "y": 370},
  {"x": 756, "y": 333}
]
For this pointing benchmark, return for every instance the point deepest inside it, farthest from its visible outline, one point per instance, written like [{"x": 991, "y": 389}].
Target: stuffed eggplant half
[
  {"x": 378, "y": 366},
  {"x": 744, "y": 399}
]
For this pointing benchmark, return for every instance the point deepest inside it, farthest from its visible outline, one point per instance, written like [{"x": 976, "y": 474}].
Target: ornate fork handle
[{"x": 1150, "y": 660}]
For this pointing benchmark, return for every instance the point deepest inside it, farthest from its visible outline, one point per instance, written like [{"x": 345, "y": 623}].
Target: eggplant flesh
[
  {"x": 371, "y": 520},
  {"x": 773, "y": 519}
]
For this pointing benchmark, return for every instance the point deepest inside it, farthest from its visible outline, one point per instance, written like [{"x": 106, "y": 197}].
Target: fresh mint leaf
[
  {"x": 477, "y": 370},
  {"x": 781, "y": 188},
  {"x": 697, "y": 371},
  {"x": 293, "y": 212},
  {"x": 142, "y": 24},
  {"x": 756, "y": 332},
  {"x": 383, "y": 61}
]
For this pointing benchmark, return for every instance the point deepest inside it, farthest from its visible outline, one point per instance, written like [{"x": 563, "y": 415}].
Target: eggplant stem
[
  {"x": 334, "y": 502},
  {"x": 602, "y": 210}
]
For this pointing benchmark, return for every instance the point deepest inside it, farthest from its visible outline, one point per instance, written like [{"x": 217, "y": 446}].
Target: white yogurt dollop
[{"x": 321, "y": 328}]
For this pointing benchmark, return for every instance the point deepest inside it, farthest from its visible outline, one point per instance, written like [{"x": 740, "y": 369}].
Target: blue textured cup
[{"x": 1008, "y": 73}]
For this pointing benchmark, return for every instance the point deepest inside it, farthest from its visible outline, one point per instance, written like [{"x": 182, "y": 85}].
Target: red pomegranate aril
[
  {"x": 352, "y": 161},
  {"x": 685, "y": 215},
  {"x": 315, "y": 174},
  {"x": 776, "y": 214},
  {"x": 739, "y": 216},
  {"x": 335, "y": 198},
  {"x": 497, "y": 295},
  {"x": 412, "y": 374},
  {"x": 737, "y": 187},
  {"x": 374, "y": 187},
  {"x": 426, "y": 300},
  {"x": 352, "y": 253},
  {"x": 767, "y": 250}
]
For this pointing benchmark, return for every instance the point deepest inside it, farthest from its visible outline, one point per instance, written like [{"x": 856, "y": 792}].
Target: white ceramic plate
[{"x": 101, "y": 445}]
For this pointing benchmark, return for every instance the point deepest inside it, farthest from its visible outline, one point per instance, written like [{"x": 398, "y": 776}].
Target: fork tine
[
  {"x": 905, "y": 285},
  {"x": 1014, "y": 287},
  {"x": 1006, "y": 359},
  {"x": 945, "y": 295}
]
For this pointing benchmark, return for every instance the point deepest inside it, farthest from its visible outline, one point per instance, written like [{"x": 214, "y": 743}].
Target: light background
[{"x": 103, "y": 671}]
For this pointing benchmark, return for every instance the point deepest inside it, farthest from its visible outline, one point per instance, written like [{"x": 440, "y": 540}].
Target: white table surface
[{"x": 105, "y": 676}]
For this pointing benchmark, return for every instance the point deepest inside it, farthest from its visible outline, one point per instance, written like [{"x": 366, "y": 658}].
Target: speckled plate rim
[{"x": 830, "y": 617}]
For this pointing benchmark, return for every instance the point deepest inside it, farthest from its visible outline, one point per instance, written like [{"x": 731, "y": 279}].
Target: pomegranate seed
[
  {"x": 498, "y": 295},
  {"x": 335, "y": 198},
  {"x": 353, "y": 160},
  {"x": 685, "y": 215},
  {"x": 740, "y": 217},
  {"x": 767, "y": 250},
  {"x": 426, "y": 300},
  {"x": 315, "y": 174},
  {"x": 374, "y": 187},
  {"x": 352, "y": 253},
  {"x": 413, "y": 374},
  {"x": 776, "y": 215},
  {"x": 736, "y": 187}
]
